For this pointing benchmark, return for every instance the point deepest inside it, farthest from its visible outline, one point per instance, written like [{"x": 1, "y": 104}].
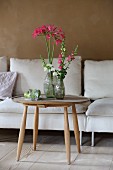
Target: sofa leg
[
  {"x": 92, "y": 139},
  {"x": 80, "y": 137}
]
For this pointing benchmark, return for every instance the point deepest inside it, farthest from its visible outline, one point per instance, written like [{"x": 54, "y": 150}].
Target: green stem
[
  {"x": 47, "y": 46},
  {"x": 52, "y": 52}
]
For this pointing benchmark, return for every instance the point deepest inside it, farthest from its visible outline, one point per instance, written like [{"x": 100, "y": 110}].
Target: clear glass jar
[
  {"x": 59, "y": 89},
  {"x": 49, "y": 84}
]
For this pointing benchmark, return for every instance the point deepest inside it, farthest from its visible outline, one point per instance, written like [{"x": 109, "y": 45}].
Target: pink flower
[
  {"x": 59, "y": 61},
  {"x": 72, "y": 58},
  {"x": 72, "y": 53},
  {"x": 60, "y": 67},
  {"x": 60, "y": 56},
  {"x": 43, "y": 28},
  {"x": 48, "y": 36},
  {"x": 51, "y": 28},
  {"x": 58, "y": 41},
  {"x": 34, "y": 35},
  {"x": 62, "y": 36},
  {"x": 53, "y": 35},
  {"x": 69, "y": 58},
  {"x": 59, "y": 30}
]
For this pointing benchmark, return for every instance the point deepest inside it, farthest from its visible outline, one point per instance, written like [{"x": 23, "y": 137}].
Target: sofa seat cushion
[
  {"x": 101, "y": 107},
  {"x": 9, "y": 106},
  {"x": 31, "y": 75}
]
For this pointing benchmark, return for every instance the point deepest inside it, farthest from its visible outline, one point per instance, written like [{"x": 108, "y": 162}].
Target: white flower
[
  {"x": 49, "y": 65},
  {"x": 45, "y": 68},
  {"x": 54, "y": 74},
  {"x": 52, "y": 69}
]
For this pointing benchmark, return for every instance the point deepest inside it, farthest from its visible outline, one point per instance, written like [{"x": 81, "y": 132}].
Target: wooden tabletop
[{"x": 68, "y": 99}]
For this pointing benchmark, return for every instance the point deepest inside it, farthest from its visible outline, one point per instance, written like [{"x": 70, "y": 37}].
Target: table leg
[
  {"x": 35, "y": 130},
  {"x": 22, "y": 132},
  {"x": 76, "y": 129},
  {"x": 67, "y": 134}
]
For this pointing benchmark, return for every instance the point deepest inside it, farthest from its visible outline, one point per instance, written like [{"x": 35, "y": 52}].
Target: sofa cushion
[
  {"x": 101, "y": 107},
  {"x": 31, "y": 75},
  {"x": 98, "y": 79},
  {"x": 7, "y": 82},
  {"x": 9, "y": 106},
  {"x": 3, "y": 64}
]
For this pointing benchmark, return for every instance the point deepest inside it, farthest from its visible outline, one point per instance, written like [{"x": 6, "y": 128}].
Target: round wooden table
[{"x": 43, "y": 102}]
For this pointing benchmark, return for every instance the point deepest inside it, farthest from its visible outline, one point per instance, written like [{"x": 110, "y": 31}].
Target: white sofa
[
  {"x": 30, "y": 74},
  {"x": 93, "y": 117},
  {"x": 98, "y": 86}
]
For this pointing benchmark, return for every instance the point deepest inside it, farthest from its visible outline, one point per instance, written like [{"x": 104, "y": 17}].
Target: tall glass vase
[
  {"x": 49, "y": 84},
  {"x": 59, "y": 89}
]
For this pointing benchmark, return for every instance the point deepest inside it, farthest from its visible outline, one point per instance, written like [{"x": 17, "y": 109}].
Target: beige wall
[{"x": 88, "y": 23}]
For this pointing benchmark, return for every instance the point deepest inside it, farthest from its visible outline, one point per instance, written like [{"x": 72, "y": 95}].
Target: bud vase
[
  {"x": 49, "y": 84},
  {"x": 59, "y": 89}
]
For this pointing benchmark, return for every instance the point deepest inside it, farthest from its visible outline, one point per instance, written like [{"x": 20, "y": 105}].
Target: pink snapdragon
[
  {"x": 60, "y": 56},
  {"x": 60, "y": 67},
  {"x": 70, "y": 58},
  {"x": 59, "y": 61}
]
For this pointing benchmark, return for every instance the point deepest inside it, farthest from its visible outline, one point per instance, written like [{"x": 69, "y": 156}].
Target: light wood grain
[
  {"x": 22, "y": 132},
  {"x": 76, "y": 129},
  {"x": 68, "y": 101},
  {"x": 67, "y": 134},
  {"x": 35, "y": 130}
]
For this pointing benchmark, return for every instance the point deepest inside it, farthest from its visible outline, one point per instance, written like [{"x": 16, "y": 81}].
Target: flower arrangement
[{"x": 52, "y": 35}]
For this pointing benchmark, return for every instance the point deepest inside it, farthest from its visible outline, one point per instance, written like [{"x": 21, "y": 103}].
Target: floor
[{"x": 50, "y": 153}]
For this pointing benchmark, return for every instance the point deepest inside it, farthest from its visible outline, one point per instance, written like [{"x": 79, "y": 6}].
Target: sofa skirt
[
  {"x": 99, "y": 124},
  {"x": 46, "y": 121}
]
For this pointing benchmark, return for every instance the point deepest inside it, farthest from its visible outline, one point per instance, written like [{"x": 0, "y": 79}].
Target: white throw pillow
[
  {"x": 31, "y": 75},
  {"x": 7, "y": 82},
  {"x": 3, "y": 64},
  {"x": 101, "y": 107},
  {"x": 98, "y": 79}
]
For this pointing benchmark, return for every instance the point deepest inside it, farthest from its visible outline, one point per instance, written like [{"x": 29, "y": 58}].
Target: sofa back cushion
[
  {"x": 98, "y": 79},
  {"x": 31, "y": 75},
  {"x": 3, "y": 64}
]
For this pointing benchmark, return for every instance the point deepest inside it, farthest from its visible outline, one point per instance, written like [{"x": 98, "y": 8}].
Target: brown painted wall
[{"x": 88, "y": 23}]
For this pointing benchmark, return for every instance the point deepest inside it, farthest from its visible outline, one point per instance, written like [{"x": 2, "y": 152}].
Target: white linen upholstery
[
  {"x": 50, "y": 118},
  {"x": 13, "y": 107},
  {"x": 31, "y": 75},
  {"x": 47, "y": 121},
  {"x": 98, "y": 79},
  {"x": 3, "y": 64},
  {"x": 101, "y": 107},
  {"x": 7, "y": 82},
  {"x": 99, "y": 124}
]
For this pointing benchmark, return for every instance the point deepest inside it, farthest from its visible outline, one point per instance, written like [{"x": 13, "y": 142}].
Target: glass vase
[
  {"x": 59, "y": 89},
  {"x": 49, "y": 84}
]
